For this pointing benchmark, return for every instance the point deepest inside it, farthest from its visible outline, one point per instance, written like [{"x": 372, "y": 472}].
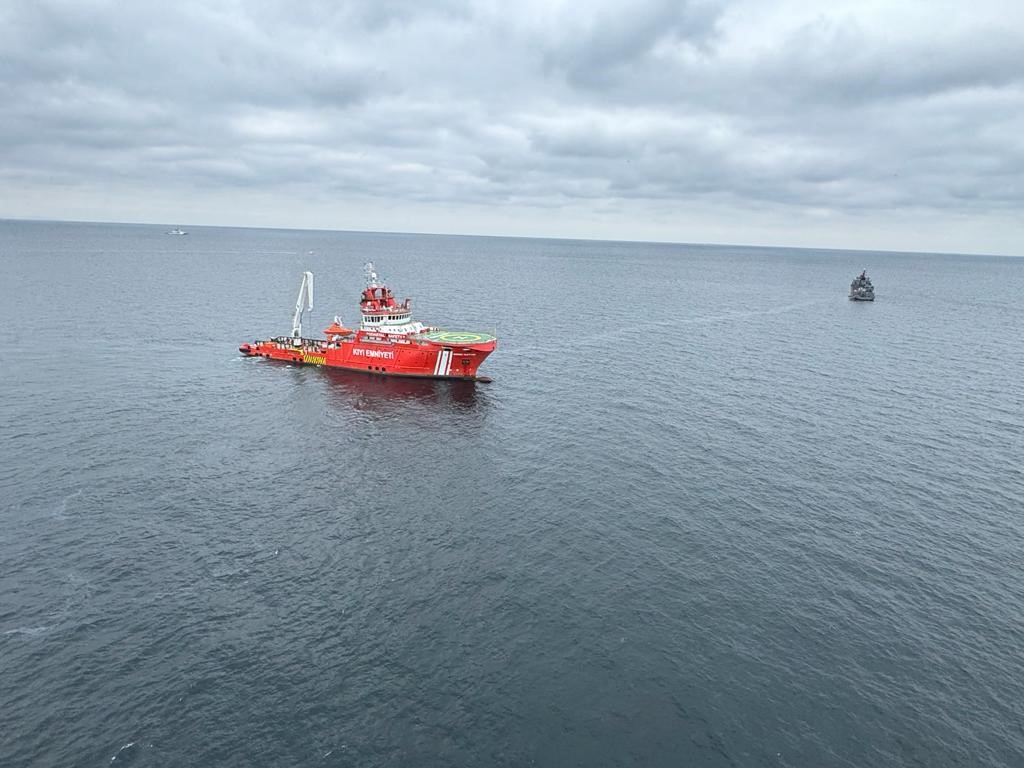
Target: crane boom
[{"x": 305, "y": 291}]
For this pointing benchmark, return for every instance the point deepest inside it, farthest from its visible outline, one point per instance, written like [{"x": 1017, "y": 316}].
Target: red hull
[{"x": 406, "y": 356}]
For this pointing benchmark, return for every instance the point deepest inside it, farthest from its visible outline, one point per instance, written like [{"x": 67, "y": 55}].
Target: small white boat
[{"x": 177, "y": 231}]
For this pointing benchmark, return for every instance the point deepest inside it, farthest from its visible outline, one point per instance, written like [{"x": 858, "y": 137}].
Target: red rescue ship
[{"x": 388, "y": 341}]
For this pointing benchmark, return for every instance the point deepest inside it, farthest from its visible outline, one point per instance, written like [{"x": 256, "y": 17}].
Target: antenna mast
[
  {"x": 371, "y": 275},
  {"x": 305, "y": 291}
]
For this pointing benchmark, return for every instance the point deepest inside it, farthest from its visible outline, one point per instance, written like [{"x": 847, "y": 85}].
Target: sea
[{"x": 708, "y": 512}]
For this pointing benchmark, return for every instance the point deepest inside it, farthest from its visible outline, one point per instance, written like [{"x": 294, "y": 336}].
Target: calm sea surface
[{"x": 709, "y": 512}]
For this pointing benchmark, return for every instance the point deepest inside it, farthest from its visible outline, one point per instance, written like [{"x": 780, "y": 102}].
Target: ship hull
[{"x": 398, "y": 357}]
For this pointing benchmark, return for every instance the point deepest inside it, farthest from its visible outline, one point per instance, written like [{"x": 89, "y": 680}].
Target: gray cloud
[{"x": 703, "y": 113}]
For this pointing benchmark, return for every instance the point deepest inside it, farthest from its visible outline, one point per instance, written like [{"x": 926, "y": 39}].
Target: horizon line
[{"x": 42, "y": 219}]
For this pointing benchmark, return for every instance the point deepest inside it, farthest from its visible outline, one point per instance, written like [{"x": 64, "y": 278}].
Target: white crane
[{"x": 305, "y": 291}]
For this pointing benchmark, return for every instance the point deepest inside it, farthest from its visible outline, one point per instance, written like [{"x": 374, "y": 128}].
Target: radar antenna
[
  {"x": 371, "y": 275},
  {"x": 305, "y": 292}
]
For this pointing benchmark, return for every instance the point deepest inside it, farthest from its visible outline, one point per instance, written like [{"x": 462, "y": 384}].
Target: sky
[{"x": 840, "y": 124}]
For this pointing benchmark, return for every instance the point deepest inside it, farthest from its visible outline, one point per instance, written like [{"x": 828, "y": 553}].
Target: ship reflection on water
[{"x": 381, "y": 393}]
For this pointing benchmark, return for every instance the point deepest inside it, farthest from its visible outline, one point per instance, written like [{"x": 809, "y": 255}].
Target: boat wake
[
  {"x": 747, "y": 315},
  {"x": 29, "y": 631}
]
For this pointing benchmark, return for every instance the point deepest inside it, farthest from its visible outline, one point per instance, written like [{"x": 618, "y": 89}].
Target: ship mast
[{"x": 305, "y": 291}]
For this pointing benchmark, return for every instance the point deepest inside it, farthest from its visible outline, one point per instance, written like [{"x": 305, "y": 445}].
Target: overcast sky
[{"x": 847, "y": 124}]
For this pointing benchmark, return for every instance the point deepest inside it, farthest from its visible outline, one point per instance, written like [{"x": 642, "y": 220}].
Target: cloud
[{"x": 552, "y": 112}]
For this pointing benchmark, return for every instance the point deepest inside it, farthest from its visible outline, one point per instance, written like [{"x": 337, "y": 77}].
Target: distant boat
[
  {"x": 861, "y": 288},
  {"x": 177, "y": 231}
]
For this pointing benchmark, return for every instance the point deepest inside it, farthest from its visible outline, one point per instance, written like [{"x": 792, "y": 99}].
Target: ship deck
[{"x": 456, "y": 337}]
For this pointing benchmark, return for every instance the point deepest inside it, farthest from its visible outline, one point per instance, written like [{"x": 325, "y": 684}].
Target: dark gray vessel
[{"x": 861, "y": 288}]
